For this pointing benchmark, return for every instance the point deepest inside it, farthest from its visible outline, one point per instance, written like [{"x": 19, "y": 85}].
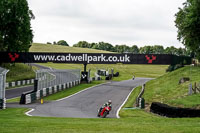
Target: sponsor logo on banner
[
  {"x": 13, "y": 57},
  {"x": 150, "y": 59}
]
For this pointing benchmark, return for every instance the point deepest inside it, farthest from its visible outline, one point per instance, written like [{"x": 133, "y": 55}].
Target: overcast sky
[{"x": 130, "y": 22}]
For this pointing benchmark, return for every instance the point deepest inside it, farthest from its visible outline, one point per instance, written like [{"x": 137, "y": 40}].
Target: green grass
[
  {"x": 192, "y": 101},
  {"x": 19, "y": 71},
  {"x": 38, "y": 47},
  {"x": 14, "y": 121},
  {"x": 132, "y": 98},
  {"x": 167, "y": 90},
  {"x": 13, "y": 100}
]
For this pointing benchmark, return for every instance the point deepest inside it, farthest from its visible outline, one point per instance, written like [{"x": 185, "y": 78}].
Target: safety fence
[
  {"x": 3, "y": 73},
  {"x": 51, "y": 77},
  {"x": 50, "y": 81},
  {"x": 33, "y": 96}
]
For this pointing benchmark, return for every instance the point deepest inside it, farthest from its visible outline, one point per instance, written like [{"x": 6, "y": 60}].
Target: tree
[
  {"x": 82, "y": 44},
  {"x": 105, "y": 46},
  {"x": 122, "y": 49},
  {"x": 171, "y": 50},
  {"x": 188, "y": 24},
  {"x": 62, "y": 42},
  {"x": 158, "y": 49},
  {"x": 134, "y": 49},
  {"x": 91, "y": 45},
  {"x": 54, "y": 43},
  {"x": 146, "y": 50},
  {"x": 15, "y": 28}
]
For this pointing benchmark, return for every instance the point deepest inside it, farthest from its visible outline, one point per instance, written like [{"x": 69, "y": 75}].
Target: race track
[
  {"x": 86, "y": 103},
  {"x": 17, "y": 92}
]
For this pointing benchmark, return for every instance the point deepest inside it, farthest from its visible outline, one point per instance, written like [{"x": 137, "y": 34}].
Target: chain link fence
[
  {"x": 3, "y": 73},
  {"x": 51, "y": 77}
]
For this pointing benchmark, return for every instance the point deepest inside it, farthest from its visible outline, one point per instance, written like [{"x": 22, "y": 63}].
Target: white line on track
[
  {"x": 117, "y": 115},
  {"x": 27, "y": 113}
]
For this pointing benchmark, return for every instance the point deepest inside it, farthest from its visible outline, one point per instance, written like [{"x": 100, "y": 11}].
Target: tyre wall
[{"x": 174, "y": 112}]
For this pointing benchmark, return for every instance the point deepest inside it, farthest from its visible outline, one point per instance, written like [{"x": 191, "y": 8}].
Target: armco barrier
[
  {"x": 174, "y": 112},
  {"x": 30, "y": 97}
]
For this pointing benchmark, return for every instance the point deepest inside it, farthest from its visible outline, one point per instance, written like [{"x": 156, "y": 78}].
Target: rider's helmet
[{"x": 109, "y": 102}]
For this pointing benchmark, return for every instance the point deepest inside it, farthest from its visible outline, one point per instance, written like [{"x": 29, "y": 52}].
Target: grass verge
[{"x": 13, "y": 100}]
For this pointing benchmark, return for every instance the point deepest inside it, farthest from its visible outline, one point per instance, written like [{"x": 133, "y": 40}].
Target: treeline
[
  {"x": 156, "y": 49},
  {"x": 61, "y": 42}
]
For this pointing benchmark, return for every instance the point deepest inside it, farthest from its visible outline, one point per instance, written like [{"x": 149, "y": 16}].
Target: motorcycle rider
[{"x": 109, "y": 103}]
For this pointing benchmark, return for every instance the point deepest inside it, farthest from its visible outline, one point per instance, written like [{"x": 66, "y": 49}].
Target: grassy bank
[
  {"x": 167, "y": 90},
  {"x": 38, "y": 47}
]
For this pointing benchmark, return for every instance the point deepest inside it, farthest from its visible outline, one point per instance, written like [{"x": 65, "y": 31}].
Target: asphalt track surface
[
  {"x": 12, "y": 93},
  {"x": 86, "y": 103}
]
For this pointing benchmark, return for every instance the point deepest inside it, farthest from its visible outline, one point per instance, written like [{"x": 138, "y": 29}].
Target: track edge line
[{"x": 117, "y": 115}]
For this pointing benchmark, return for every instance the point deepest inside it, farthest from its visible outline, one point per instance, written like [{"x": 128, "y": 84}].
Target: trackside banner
[{"x": 92, "y": 58}]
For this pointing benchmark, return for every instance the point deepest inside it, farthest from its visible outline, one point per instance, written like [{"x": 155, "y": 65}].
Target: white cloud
[{"x": 145, "y": 22}]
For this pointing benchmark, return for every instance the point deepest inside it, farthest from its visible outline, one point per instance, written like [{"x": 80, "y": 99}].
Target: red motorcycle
[{"x": 103, "y": 112}]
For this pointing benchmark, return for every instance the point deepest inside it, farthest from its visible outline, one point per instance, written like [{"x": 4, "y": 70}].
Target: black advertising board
[{"x": 92, "y": 58}]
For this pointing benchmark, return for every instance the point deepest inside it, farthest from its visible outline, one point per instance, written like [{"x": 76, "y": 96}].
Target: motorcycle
[{"x": 103, "y": 112}]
